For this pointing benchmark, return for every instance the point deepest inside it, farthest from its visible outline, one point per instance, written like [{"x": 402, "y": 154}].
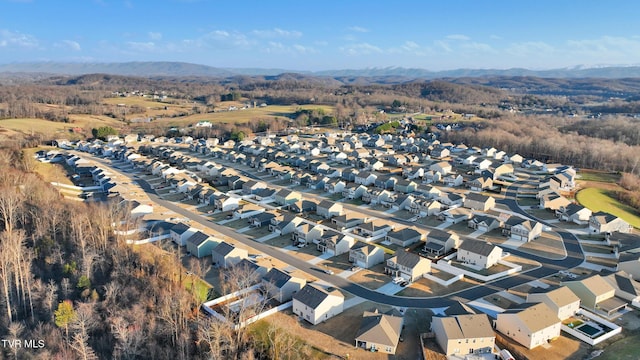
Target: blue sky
[{"x": 324, "y": 35}]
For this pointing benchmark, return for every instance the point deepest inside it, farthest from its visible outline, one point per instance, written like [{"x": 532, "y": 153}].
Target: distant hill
[
  {"x": 161, "y": 68},
  {"x": 381, "y": 75}
]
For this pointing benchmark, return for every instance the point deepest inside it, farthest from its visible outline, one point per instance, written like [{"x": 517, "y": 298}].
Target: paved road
[{"x": 574, "y": 258}]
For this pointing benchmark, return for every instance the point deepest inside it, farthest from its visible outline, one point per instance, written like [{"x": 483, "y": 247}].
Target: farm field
[{"x": 601, "y": 200}]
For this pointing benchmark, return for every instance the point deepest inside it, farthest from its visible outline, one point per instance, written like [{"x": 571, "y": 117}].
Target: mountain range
[{"x": 182, "y": 69}]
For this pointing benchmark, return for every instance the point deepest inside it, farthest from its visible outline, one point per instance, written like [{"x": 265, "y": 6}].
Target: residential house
[
  {"x": 180, "y": 232},
  {"x": 224, "y": 202},
  {"x": 522, "y": 229},
  {"x": 365, "y": 178},
  {"x": 303, "y": 207},
  {"x": 479, "y": 202},
  {"x": 247, "y": 210},
  {"x": 484, "y": 223},
  {"x": 200, "y": 244},
  {"x": 515, "y": 159},
  {"x": 365, "y": 255},
  {"x": 453, "y": 180},
  {"x": 485, "y": 164},
  {"x": 284, "y": 224},
  {"x": 629, "y": 262},
  {"x": 442, "y": 167},
  {"x": 135, "y": 209},
  {"x": 334, "y": 186},
  {"x": 407, "y": 265},
  {"x": 402, "y": 202},
  {"x": 424, "y": 207},
  {"x": 451, "y": 199},
  {"x": 625, "y": 285},
  {"x": 281, "y": 286},
  {"x": 315, "y": 305},
  {"x": 553, "y": 201},
  {"x": 596, "y": 294},
  {"x": 405, "y": 237},
  {"x": 479, "y": 253},
  {"x": 480, "y": 183},
  {"x": 306, "y": 233},
  {"x": 261, "y": 219},
  {"x": 602, "y": 222},
  {"x": 347, "y": 221},
  {"x": 285, "y": 197},
  {"x": 354, "y": 191},
  {"x": 503, "y": 170},
  {"x": 464, "y": 334},
  {"x": 440, "y": 152},
  {"x": 264, "y": 195},
  {"x": 405, "y": 186},
  {"x": 441, "y": 242},
  {"x": 561, "y": 300},
  {"x": 376, "y": 196},
  {"x": 335, "y": 243},
  {"x": 328, "y": 209},
  {"x": 574, "y": 213},
  {"x": 379, "y": 332},
  {"x": 226, "y": 255},
  {"x": 373, "y": 229},
  {"x": 529, "y": 324}
]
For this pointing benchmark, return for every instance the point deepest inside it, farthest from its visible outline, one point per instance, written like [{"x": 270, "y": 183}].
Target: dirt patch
[
  {"x": 563, "y": 347},
  {"x": 371, "y": 278},
  {"x": 425, "y": 287},
  {"x": 548, "y": 245}
]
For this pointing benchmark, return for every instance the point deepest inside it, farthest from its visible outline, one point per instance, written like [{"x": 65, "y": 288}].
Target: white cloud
[
  {"x": 141, "y": 46},
  {"x": 459, "y": 37},
  {"x": 443, "y": 45},
  {"x": 295, "y": 49},
  {"x": 155, "y": 35},
  {"x": 360, "y": 49},
  {"x": 225, "y": 39},
  {"x": 68, "y": 44},
  {"x": 277, "y": 33},
  {"x": 358, "y": 29},
  {"x": 529, "y": 48},
  {"x": 15, "y": 39}
]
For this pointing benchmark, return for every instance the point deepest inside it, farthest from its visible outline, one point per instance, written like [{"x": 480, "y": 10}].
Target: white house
[
  {"x": 316, "y": 305},
  {"x": 479, "y": 253},
  {"x": 531, "y": 324},
  {"x": 180, "y": 232},
  {"x": 559, "y": 299}
]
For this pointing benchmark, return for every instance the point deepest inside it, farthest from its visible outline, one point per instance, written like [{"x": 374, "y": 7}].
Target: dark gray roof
[
  {"x": 477, "y": 197},
  {"x": 404, "y": 234},
  {"x": 459, "y": 308},
  {"x": 224, "y": 248},
  {"x": 311, "y": 296},
  {"x": 407, "y": 259},
  {"x": 198, "y": 238},
  {"x": 276, "y": 277},
  {"x": 265, "y": 192},
  {"x": 180, "y": 228},
  {"x": 380, "y": 329},
  {"x": 439, "y": 235},
  {"x": 477, "y": 247}
]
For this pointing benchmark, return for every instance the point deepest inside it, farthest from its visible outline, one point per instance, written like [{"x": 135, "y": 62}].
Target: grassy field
[
  {"x": 602, "y": 200},
  {"x": 601, "y": 176},
  {"x": 239, "y": 116},
  {"x": 46, "y": 127},
  {"x": 48, "y": 171},
  {"x": 201, "y": 287}
]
